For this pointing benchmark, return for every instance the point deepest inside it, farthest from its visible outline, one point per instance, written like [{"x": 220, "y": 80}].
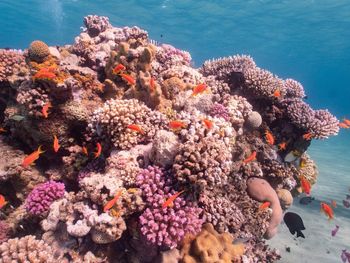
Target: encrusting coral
[{"x": 140, "y": 149}]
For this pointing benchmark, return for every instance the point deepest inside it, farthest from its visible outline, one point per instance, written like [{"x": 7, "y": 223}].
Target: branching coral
[
  {"x": 294, "y": 89},
  {"x": 11, "y": 63}
]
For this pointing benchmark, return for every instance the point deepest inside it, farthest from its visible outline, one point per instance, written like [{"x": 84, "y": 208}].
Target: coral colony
[{"x": 115, "y": 149}]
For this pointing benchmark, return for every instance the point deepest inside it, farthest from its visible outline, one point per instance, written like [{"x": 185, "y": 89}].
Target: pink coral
[{"x": 4, "y": 231}]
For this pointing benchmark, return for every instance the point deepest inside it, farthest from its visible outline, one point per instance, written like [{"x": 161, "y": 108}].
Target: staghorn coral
[
  {"x": 26, "y": 249},
  {"x": 210, "y": 246},
  {"x": 294, "y": 89},
  {"x": 38, "y": 51},
  {"x": 39, "y": 200}
]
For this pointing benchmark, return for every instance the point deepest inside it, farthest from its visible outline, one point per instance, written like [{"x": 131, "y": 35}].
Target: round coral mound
[{"x": 38, "y": 50}]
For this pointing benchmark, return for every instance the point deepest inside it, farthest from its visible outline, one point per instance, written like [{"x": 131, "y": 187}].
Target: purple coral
[
  {"x": 165, "y": 226},
  {"x": 4, "y": 231},
  {"x": 294, "y": 89},
  {"x": 42, "y": 196},
  {"x": 220, "y": 111}
]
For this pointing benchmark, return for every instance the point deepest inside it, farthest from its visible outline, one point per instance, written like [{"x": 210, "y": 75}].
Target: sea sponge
[
  {"x": 260, "y": 190},
  {"x": 38, "y": 51},
  {"x": 40, "y": 199},
  {"x": 254, "y": 120},
  {"x": 286, "y": 198},
  {"x": 210, "y": 246},
  {"x": 26, "y": 249}
]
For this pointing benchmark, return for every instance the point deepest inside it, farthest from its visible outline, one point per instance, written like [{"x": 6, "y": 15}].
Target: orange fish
[
  {"x": 31, "y": 158},
  {"x": 208, "y": 123},
  {"x": 200, "y": 88},
  {"x": 269, "y": 138},
  {"x": 334, "y": 203},
  {"x": 277, "y": 93},
  {"x": 307, "y": 136},
  {"x": 85, "y": 151},
  {"x": 118, "y": 68},
  {"x": 136, "y": 128},
  {"x": 170, "y": 200},
  {"x": 282, "y": 146},
  {"x": 45, "y": 109},
  {"x": 327, "y": 210},
  {"x": 111, "y": 203},
  {"x": 176, "y": 125},
  {"x": 305, "y": 185},
  {"x": 2, "y": 129},
  {"x": 44, "y": 73},
  {"x": 250, "y": 158},
  {"x": 2, "y": 201},
  {"x": 346, "y": 121},
  {"x": 99, "y": 150},
  {"x": 264, "y": 205},
  {"x": 130, "y": 80},
  {"x": 56, "y": 145},
  {"x": 343, "y": 125},
  {"x": 152, "y": 84}
]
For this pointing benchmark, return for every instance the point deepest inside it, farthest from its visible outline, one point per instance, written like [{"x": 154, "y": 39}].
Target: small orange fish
[
  {"x": 250, "y": 158},
  {"x": 269, "y": 137},
  {"x": 111, "y": 203},
  {"x": 282, "y": 146},
  {"x": 334, "y": 203},
  {"x": 44, "y": 73},
  {"x": 343, "y": 125},
  {"x": 307, "y": 136},
  {"x": 208, "y": 123},
  {"x": 200, "y": 88},
  {"x": 118, "y": 68},
  {"x": 176, "y": 125},
  {"x": 136, "y": 128},
  {"x": 31, "y": 158},
  {"x": 277, "y": 93},
  {"x": 170, "y": 200},
  {"x": 130, "y": 80},
  {"x": 98, "y": 151},
  {"x": 152, "y": 84},
  {"x": 45, "y": 109},
  {"x": 85, "y": 151},
  {"x": 2, "y": 201},
  {"x": 305, "y": 185},
  {"x": 327, "y": 210},
  {"x": 264, "y": 205},
  {"x": 56, "y": 145},
  {"x": 2, "y": 129},
  {"x": 346, "y": 121},
  {"x": 132, "y": 190}
]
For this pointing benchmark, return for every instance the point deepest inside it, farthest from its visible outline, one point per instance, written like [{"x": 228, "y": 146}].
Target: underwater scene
[{"x": 175, "y": 131}]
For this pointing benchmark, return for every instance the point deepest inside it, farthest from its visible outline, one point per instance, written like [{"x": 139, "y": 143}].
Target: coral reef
[{"x": 150, "y": 149}]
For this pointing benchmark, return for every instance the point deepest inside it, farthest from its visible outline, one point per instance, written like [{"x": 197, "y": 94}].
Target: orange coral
[{"x": 45, "y": 74}]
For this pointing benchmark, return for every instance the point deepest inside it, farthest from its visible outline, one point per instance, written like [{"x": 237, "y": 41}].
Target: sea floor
[{"x": 333, "y": 161}]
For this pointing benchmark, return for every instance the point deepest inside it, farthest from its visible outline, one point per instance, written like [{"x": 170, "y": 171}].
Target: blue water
[{"x": 307, "y": 40}]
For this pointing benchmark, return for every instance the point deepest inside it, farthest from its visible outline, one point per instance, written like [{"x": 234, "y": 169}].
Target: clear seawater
[{"x": 307, "y": 40}]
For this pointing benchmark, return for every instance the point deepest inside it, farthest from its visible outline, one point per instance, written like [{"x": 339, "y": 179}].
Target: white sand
[{"x": 333, "y": 160}]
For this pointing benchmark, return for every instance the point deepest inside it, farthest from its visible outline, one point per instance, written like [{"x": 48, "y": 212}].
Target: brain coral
[{"x": 38, "y": 50}]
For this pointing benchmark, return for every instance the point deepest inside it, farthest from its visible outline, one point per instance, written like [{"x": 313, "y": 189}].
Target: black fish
[
  {"x": 294, "y": 223},
  {"x": 306, "y": 200}
]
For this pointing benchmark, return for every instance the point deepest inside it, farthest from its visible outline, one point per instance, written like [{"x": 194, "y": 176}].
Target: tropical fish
[
  {"x": 2, "y": 130},
  {"x": 118, "y": 68},
  {"x": 302, "y": 163},
  {"x": 305, "y": 185},
  {"x": 335, "y": 230},
  {"x": 130, "y": 80},
  {"x": 177, "y": 125},
  {"x": 44, "y": 73},
  {"x": 3, "y": 201},
  {"x": 136, "y": 128},
  {"x": 200, "y": 88},
  {"x": 31, "y": 158},
  {"x": 269, "y": 137},
  {"x": 264, "y": 205},
  {"x": 306, "y": 200},
  {"x": 334, "y": 203},
  {"x": 208, "y": 123},
  {"x": 277, "y": 93},
  {"x": 346, "y": 203},
  {"x": 111, "y": 203},
  {"x": 132, "y": 190},
  {"x": 45, "y": 108},
  {"x": 250, "y": 157},
  {"x": 345, "y": 256},
  {"x": 85, "y": 151},
  {"x": 152, "y": 84},
  {"x": 347, "y": 197},
  {"x": 282, "y": 146},
  {"x": 346, "y": 121},
  {"x": 98, "y": 151},
  {"x": 241, "y": 240},
  {"x": 170, "y": 200},
  {"x": 56, "y": 145},
  {"x": 343, "y": 125},
  {"x": 308, "y": 136},
  {"x": 327, "y": 210},
  {"x": 294, "y": 223}
]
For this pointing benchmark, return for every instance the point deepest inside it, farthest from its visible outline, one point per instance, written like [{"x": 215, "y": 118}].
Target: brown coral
[{"x": 38, "y": 51}]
